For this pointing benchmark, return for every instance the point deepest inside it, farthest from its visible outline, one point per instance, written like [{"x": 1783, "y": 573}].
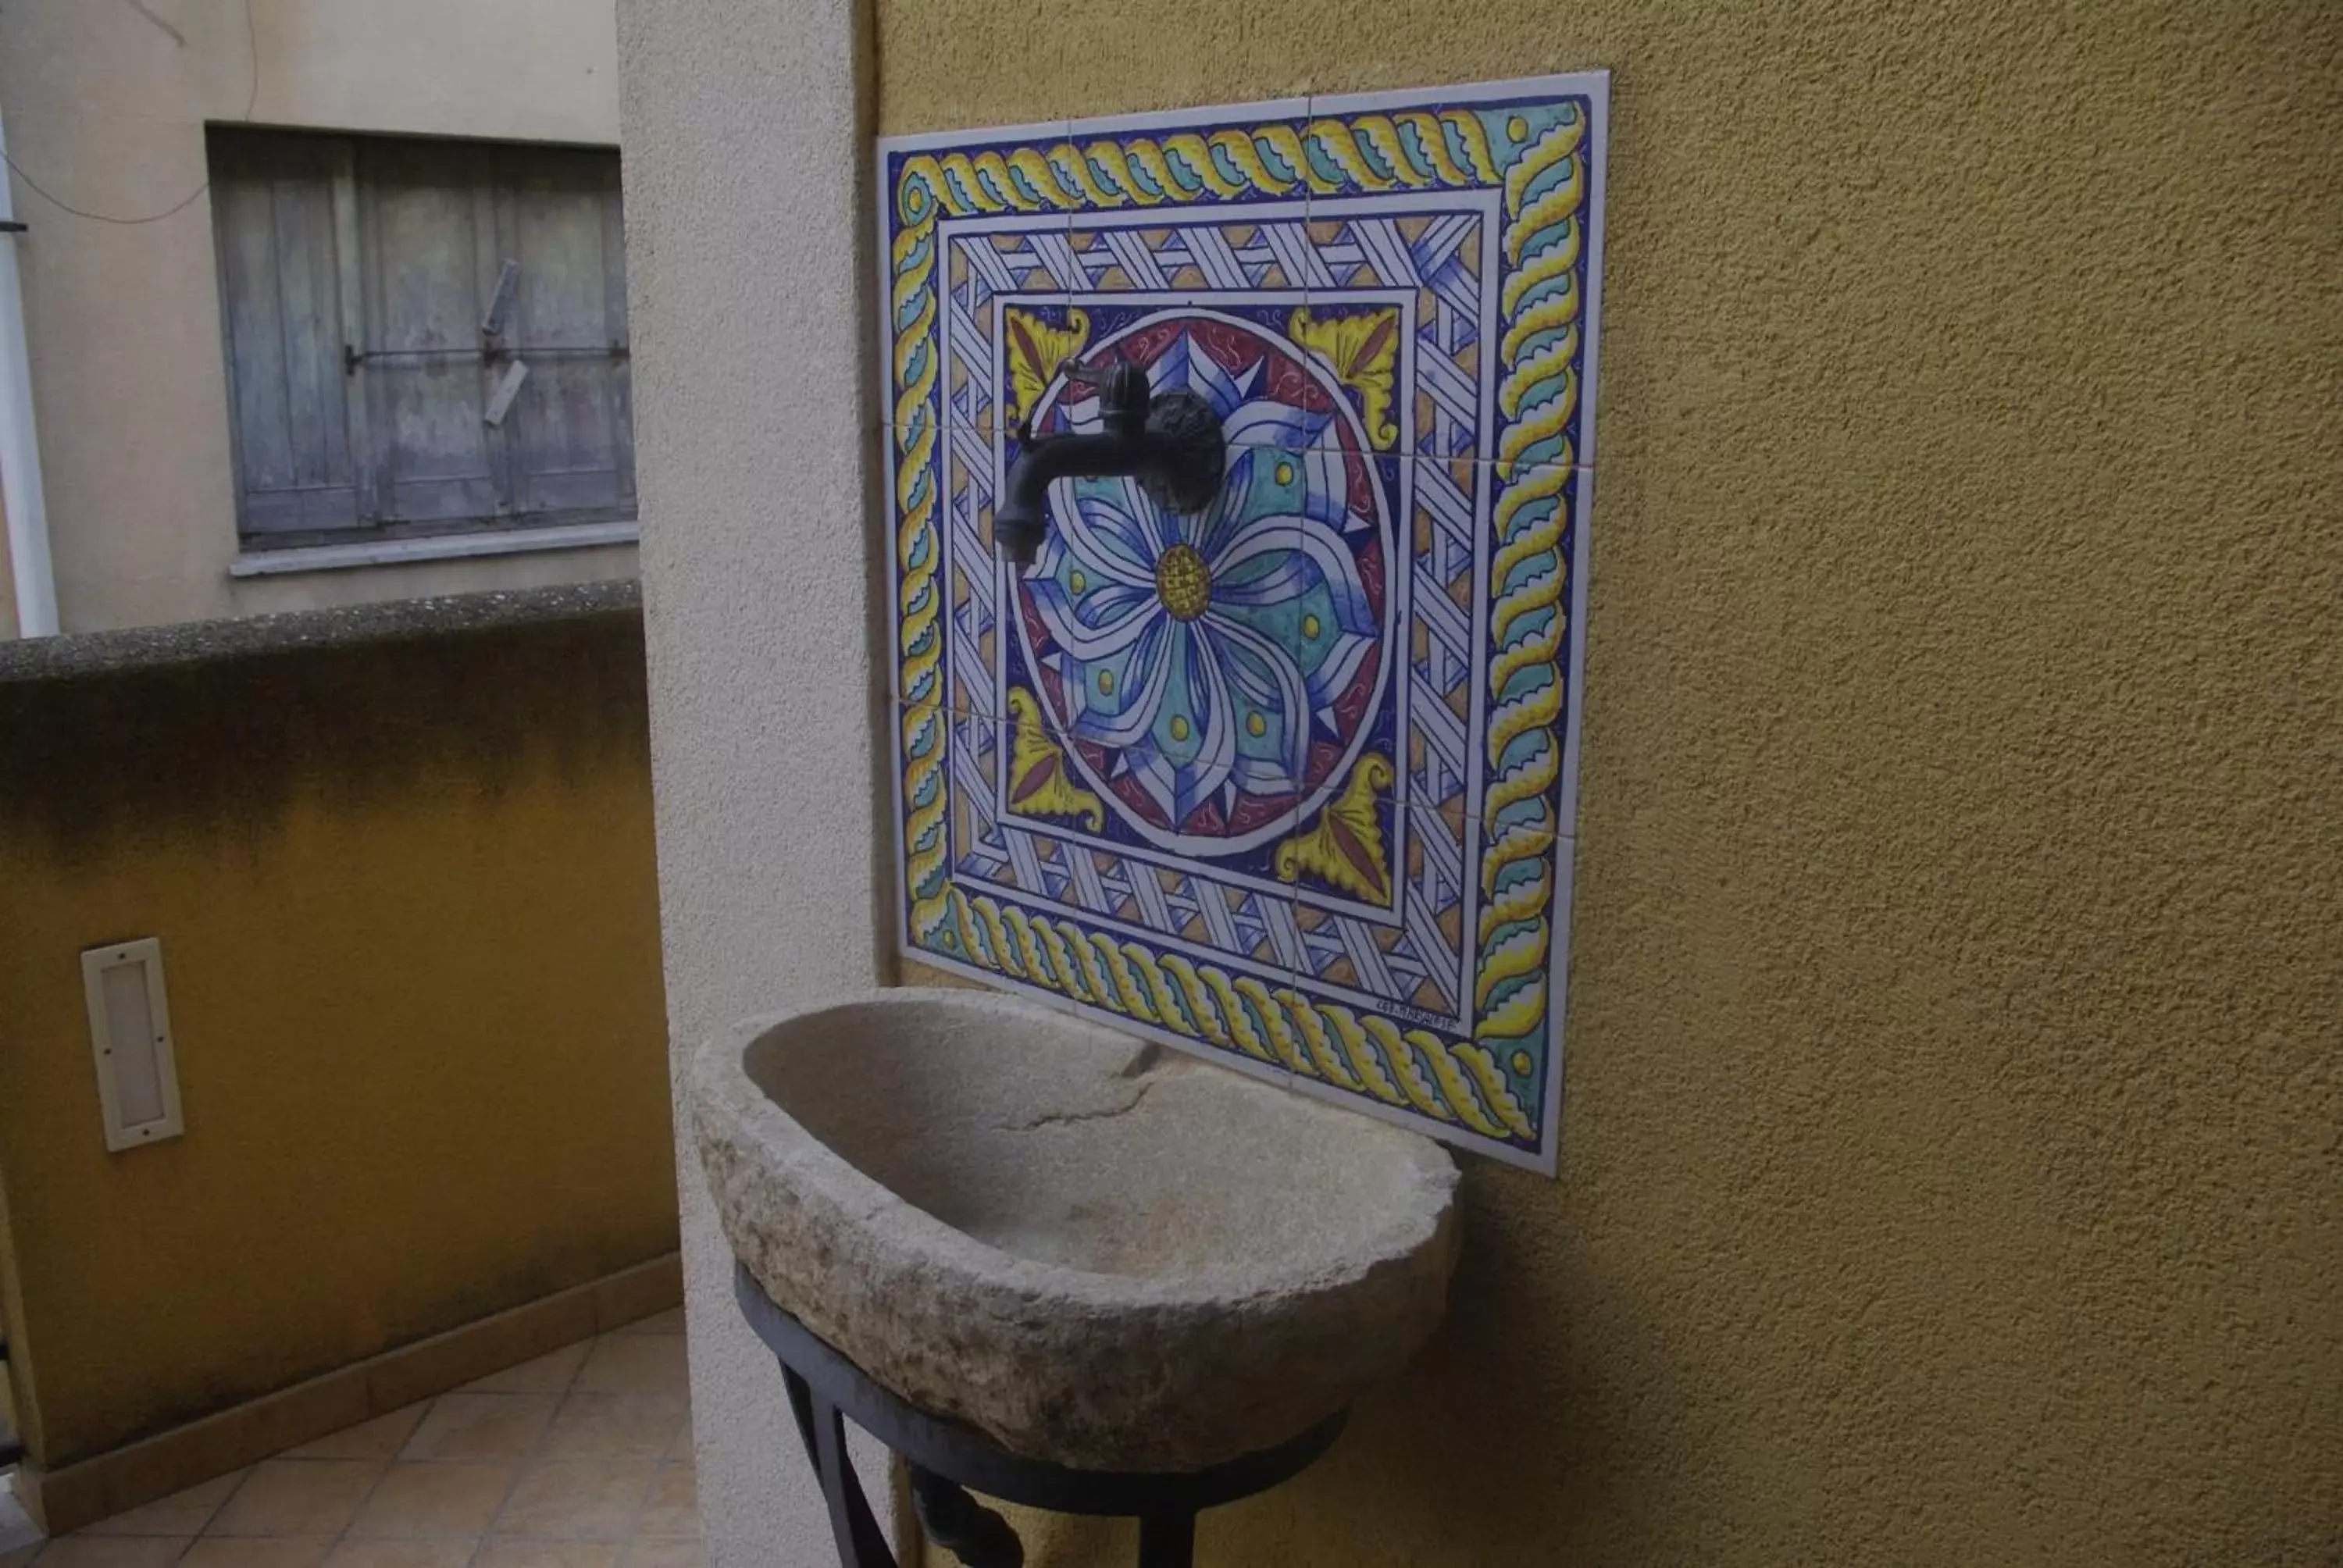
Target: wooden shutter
[
  {"x": 431, "y": 262},
  {"x": 355, "y": 274},
  {"x": 570, "y": 432},
  {"x": 284, "y": 254}
]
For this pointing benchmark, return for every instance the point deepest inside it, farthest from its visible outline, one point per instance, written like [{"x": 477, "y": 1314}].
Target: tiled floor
[{"x": 581, "y": 1459}]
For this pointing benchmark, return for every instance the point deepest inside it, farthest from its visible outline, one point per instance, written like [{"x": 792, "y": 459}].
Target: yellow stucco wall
[
  {"x": 1954, "y": 1057},
  {"x": 409, "y": 926}
]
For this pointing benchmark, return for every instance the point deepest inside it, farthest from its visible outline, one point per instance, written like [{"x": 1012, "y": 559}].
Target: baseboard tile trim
[{"x": 72, "y": 1495}]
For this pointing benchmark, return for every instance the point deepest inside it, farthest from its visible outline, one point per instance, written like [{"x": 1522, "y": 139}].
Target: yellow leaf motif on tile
[
  {"x": 1346, "y": 846},
  {"x": 1036, "y": 350},
  {"x": 1360, "y": 350},
  {"x": 1038, "y": 784}
]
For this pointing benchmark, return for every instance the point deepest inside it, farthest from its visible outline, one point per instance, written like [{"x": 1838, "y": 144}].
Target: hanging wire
[
  {"x": 148, "y": 12},
  {"x": 251, "y": 101}
]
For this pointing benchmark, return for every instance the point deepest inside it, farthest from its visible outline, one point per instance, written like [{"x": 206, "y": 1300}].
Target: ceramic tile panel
[
  {"x": 1286, "y": 780},
  {"x": 948, "y": 285},
  {"x": 1010, "y": 823}
]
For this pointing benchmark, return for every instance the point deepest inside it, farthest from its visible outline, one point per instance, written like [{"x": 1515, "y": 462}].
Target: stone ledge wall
[{"x": 399, "y": 858}]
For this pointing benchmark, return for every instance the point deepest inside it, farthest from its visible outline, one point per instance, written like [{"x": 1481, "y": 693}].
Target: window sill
[{"x": 435, "y": 547}]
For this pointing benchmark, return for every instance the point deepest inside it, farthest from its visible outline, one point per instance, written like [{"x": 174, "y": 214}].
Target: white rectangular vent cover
[{"x": 130, "y": 1037}]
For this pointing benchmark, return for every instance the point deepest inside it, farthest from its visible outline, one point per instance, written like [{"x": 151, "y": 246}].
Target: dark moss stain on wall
[{"x": 222, "y": 728}]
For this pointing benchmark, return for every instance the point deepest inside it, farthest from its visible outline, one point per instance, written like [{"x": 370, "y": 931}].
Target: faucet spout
[{"x": 1172, "y": 444}]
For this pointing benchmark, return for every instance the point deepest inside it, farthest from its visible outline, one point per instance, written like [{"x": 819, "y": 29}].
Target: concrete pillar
[{"x": 745, "y": 124}]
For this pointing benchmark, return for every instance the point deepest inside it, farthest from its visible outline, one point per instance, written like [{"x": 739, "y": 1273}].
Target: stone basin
[{"x": 1103, "y": 1254}]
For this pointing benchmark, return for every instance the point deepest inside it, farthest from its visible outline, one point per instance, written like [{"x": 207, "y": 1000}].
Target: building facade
[{"x": 324, "y": 300}]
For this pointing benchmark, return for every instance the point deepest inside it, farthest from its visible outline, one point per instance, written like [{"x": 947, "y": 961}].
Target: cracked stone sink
[{"x": 1103, "y": 1254}]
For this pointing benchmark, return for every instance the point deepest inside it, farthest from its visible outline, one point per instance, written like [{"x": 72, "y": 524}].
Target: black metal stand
[{"x": 948, "y": 1459}]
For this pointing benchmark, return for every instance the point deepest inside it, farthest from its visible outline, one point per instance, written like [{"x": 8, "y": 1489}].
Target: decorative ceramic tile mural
[{"x": 1287, "y": 781}]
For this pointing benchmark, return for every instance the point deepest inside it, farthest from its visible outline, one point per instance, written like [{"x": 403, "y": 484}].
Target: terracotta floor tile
[
  {"x": 670, "y": 1322},
  {"x": 548, "y": 1555},
  {"x": 615, "y": 1426},
  {"x": 672, "y": 1510},
  {"x": 561, "y": 1482},
  {"x": 246, "y": 1552},
  {"x": 111, "y": 1552},
  {"x": 634, "y": 1363},
  {"x": 418, "y": 1499},
  {"x": 482, "y": 1426},
  {"x": 662, "y": 1554},
  {"x": 681, "y": 1447},
  {"x": 182, "y": 1513},
  {"x": 297, "y": 1497},
  {"x": 376, "y": 1439},
  {"x": 576, "y": 1499},
  {"x": 549, "y": 1373},
  {"x": 355, "y": 1553}
]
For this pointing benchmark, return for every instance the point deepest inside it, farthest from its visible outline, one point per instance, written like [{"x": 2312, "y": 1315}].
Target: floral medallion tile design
[{"x": 1286, "y": 780}]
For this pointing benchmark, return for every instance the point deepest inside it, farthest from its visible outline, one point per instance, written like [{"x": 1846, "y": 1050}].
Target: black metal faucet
[{"x": 1172, "y": 444}]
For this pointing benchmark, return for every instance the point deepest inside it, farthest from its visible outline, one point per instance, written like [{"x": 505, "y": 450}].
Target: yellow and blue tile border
[{"x": 1291, "y": 783}]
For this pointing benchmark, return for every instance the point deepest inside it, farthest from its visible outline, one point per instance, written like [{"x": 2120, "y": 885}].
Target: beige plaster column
[{"x": 744, "y": 123}]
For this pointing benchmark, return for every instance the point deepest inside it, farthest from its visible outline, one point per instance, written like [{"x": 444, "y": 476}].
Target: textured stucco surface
[
  {"x": 405, "y": 891},
  {"x": 744, "y": 126},
  {"x": 1948, "y": 1153},
  {"x": 106, "y": 103}
]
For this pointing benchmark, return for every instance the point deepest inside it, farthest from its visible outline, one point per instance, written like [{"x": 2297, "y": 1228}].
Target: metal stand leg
[
  {"x": 1167, "y": 1540},
  {"x": 946, "y": 1459},
  {"x": 961, "y": 1525},
  {"x": 860, "y": 1543}
]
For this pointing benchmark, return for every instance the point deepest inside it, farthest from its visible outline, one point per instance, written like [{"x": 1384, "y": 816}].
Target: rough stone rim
[{"x": 722, "y": 1086}]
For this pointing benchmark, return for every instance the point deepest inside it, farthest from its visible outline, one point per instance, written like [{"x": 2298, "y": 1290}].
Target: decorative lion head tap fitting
[{"x": 1171, "y": 443}]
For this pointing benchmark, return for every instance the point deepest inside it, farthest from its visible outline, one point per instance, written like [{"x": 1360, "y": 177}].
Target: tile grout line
[
  {"x": 185, "y": 1546},
  {"x": 521, "y": 1468},
  {"x": 660, "y": 1464},
  {"x": 535, "y": 1456},
  {"x": 658, "y": 1461},
  {"x": 480, "y": 1542},
  {"x": 220, "y": 1507},
  {"x": 536, "y": 1450},
  {"x": 344, "y": 1532}
]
